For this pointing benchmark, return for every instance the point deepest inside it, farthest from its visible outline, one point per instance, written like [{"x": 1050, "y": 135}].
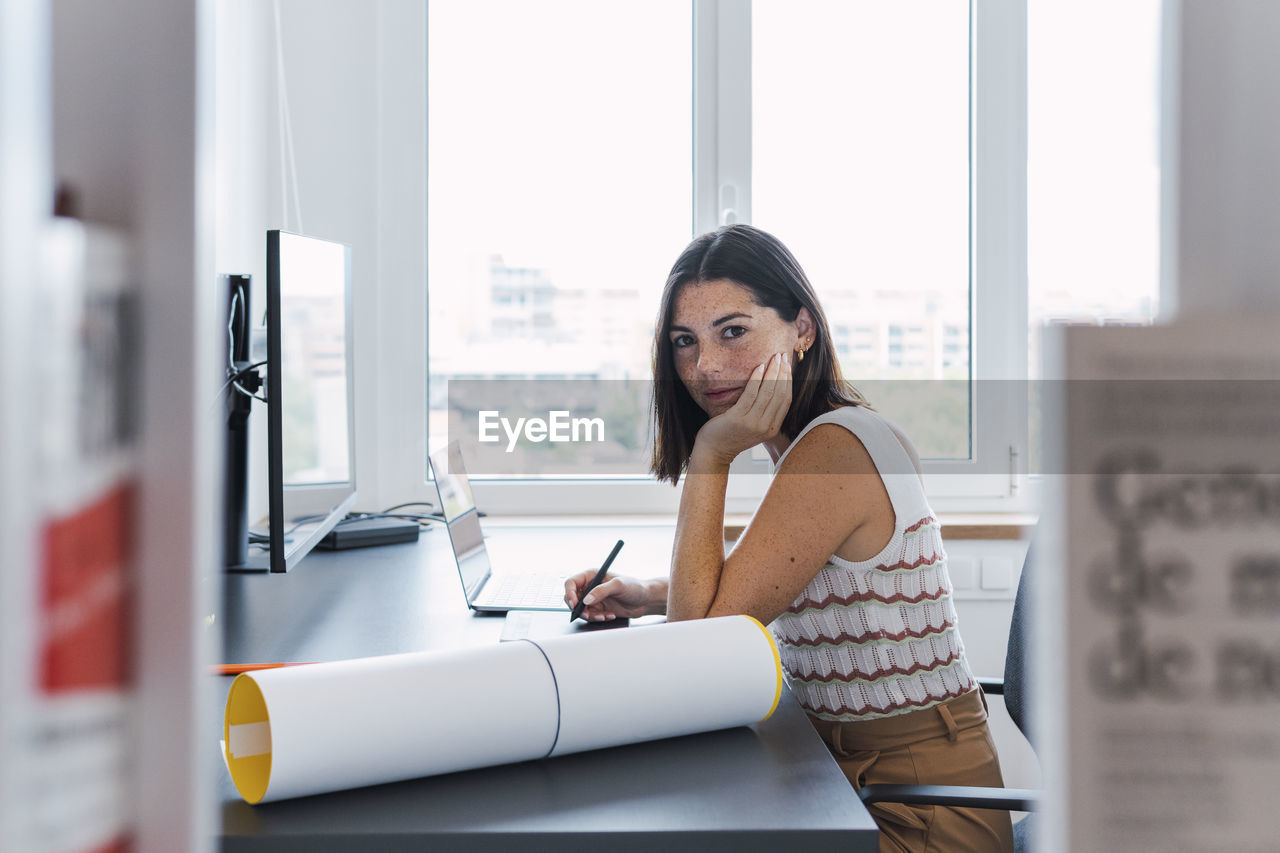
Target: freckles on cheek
[
  {"x": 683, "y": 363},
  {"x": 686, "y": 376}
]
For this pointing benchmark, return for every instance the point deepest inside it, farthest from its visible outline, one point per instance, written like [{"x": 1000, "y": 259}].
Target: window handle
[{"x": 728, "y": 204}]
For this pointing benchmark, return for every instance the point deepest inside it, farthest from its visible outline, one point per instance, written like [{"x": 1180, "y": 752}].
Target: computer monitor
[{"x": 309, "y": 388}]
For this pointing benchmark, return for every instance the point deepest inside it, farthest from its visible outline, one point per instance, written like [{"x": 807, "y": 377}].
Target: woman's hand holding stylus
[{"x": 617, "y": 597}]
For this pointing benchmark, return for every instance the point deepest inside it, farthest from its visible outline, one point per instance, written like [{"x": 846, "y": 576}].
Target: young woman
[{"x": 843, "y": 558}]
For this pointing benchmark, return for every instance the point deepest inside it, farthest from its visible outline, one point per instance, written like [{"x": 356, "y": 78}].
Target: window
[
  {"x": 1093, "y": 167},
  {"x": 1093, "y": 171},
  {"x": 575, "y": 147},
  {"x": 559, "y": 185},
  {"x": 868, "y": 180}
]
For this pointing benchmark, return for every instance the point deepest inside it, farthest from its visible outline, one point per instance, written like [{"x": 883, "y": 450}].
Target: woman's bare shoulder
[
  {"x": 841, "y": 449},
  {"x": 828, "y": 448}
]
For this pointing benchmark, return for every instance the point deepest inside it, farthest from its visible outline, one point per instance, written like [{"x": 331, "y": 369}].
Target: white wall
[
  {"x": 354, "y": 102},
  {"x": 244, "y": 84},
  {"x": 245, "y": 76},
  {"x": 1222, "y": 192}
]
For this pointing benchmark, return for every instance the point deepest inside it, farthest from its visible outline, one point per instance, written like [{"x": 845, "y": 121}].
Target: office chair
[{"x": 1012, "y": 687}]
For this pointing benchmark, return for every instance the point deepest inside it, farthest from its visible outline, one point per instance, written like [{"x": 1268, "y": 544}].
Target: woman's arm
[
  {"x": 826, "y": 496},
  {"x": 698, "y": 557}
]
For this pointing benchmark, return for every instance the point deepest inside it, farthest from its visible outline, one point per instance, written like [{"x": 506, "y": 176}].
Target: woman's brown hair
[{"x": 759, "y": 262}]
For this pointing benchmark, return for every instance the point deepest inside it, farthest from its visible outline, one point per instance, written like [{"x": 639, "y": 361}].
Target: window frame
[{"x": 721, "y": 152}]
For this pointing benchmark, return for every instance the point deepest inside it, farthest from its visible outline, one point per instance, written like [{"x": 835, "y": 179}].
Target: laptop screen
[
  {"x": 461, "y": 518},
  {"x": 451, "y": 482}
]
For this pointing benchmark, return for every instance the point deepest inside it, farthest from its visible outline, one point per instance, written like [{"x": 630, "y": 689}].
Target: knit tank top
[{"x": 877, "y": 638}]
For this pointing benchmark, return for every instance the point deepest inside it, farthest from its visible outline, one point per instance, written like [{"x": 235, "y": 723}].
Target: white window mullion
[
  {"x": 705, "y": 97},
  {"x": 722, "y": 159},
  {"x": 391, "y": 460},
  {"x": 721, "y": 113},
  {"x": 999, "y": 163},
  {"x": 998, "y": 139}
]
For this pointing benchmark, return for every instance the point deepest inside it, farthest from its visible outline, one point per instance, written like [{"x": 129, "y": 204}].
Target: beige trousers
[{"x": 948, "y": 744}]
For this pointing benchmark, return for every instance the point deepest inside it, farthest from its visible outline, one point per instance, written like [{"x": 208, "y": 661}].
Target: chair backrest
[{"x": 1015, "y": 674}]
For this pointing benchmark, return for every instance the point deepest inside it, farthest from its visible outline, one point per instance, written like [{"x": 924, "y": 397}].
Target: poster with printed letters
[
  {"x": 1160, "y": 664},
  {"x": 70, "y": 729}
]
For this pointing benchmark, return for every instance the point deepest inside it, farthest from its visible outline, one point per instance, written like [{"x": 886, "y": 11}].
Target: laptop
[{"x": 484, "y": 590}]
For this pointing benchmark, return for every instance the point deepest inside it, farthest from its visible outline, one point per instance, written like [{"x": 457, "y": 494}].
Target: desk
[{"x": 769, "y": 786}]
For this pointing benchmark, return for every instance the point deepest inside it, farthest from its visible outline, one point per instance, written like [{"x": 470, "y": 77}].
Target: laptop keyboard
[{"x": 518, "y": 590}]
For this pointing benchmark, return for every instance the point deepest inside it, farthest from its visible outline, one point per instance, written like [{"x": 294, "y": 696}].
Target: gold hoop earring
[{"x": 800, "y": 354}]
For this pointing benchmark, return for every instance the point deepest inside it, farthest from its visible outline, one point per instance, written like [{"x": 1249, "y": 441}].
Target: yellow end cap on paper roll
[
  {"x": 777, "y": 664},
  {"x": 246, "y": 731}
]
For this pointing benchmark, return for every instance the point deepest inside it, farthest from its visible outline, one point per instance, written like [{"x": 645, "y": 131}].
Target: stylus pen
[{"x": 595, "y": 581}]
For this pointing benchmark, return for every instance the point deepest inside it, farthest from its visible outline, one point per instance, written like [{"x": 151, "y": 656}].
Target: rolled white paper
[
  {"x": 663, "y": 680},
  {"x": 304, "y": 730},
  {"x": 371, "y": 720}
]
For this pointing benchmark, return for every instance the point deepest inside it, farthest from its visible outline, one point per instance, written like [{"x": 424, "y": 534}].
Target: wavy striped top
[{"x": 877, "y": 638}]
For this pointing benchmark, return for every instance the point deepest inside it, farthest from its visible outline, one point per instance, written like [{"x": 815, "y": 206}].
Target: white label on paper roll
[{"x": 249, "y": 739}]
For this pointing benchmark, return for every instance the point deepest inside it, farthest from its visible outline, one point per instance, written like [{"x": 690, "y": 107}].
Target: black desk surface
[{"x": 770, "y": 786}]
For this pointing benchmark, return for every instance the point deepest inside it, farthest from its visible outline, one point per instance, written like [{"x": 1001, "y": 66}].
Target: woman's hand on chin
[{"x": 755, "y": 417}]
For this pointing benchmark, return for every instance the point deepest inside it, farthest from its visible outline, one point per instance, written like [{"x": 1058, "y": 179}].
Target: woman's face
[{"x": 719, "y": 336}]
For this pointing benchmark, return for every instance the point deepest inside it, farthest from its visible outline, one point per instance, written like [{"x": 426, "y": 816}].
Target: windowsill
[
  {"x": 582, "y": 520},
  {"x": 955, "y": 525},
  {"x": 1007, "y": 526}
]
